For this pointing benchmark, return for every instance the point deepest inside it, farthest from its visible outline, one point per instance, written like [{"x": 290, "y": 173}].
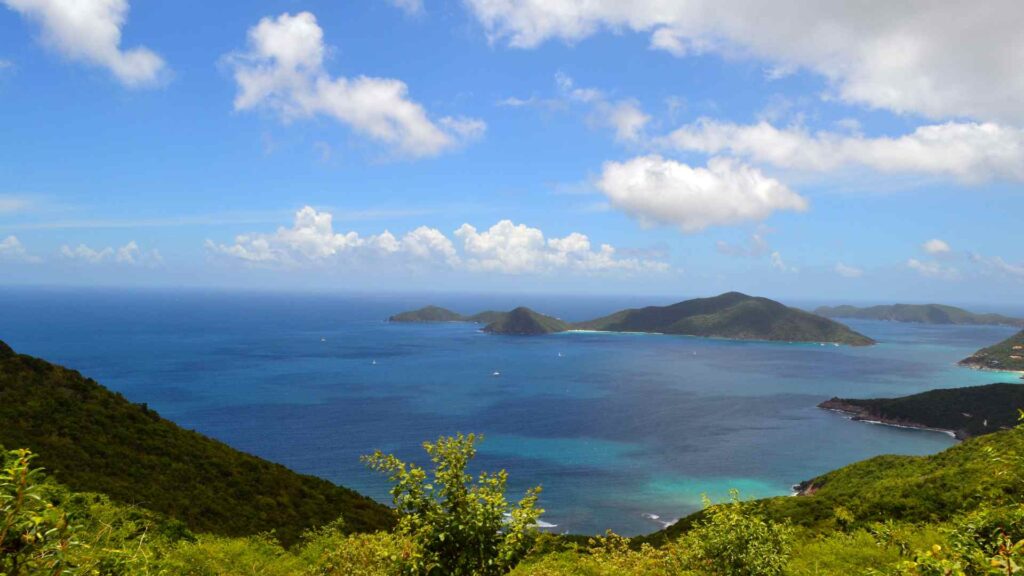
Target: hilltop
[
  {"x": 525, "y": 322},
  {"x": 920, "y": 313},
  {"x": 1006, "y": 355},
  {"x": 966, "y": 412},
  {"x": 429, "y": 314},
  {"x": 730, "y": 315},
  {"x": 95, "y": 440}
]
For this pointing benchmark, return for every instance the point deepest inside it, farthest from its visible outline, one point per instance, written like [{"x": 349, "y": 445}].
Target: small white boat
[
  {"x": 374, "y": 362},
  {"x": 323, "y": 339},
  {"x": 496, "y": 373}
]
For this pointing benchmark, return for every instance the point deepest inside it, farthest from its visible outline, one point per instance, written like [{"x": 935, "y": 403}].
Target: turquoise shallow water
[{"x": 618, "y": 428}]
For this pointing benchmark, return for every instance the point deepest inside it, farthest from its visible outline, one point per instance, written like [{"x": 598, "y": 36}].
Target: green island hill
[
  {"x": 919, "y": 313},
  {"x": 429, "y": 314},
  {"x": 95, "y": 440},
  {"x": 964, "y": 412},
  {"x": 525, "y": 322},
  {"x": 1007, "y": 355},
  {"x": 731, "y": 315}
]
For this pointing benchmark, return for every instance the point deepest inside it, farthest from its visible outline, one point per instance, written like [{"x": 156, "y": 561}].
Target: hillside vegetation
[
  {"x": 730, "y": 315},
  {"x": 979, "y": 472},
  {"x": 920, "y": 313},
  {"x": 967, "y": 412},
  {"x": 525, "y": 322},
  {"x": 94, "y": 440},
  {"x": 1006, "y": 355}
]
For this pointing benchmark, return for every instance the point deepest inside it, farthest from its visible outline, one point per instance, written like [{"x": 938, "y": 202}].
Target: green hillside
[
  {"x": 525, "y": 322},
  {"x": 921, "y": 313},
  {"x": 94, "y": 440},
  {"x": 981, "y": 471},
  {"x": 968, "y": 411},
  {"x": 437, "y": 314},
  {"x": 428, "y": 314},
  {"x": 1006, "y": 355},
  {"x": 730, "y": 315}
]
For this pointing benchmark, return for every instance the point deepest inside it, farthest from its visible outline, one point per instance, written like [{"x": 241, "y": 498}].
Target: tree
[{"x": 460, "y": 527}]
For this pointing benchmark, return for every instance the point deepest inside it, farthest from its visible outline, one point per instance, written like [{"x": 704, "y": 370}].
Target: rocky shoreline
[{"x": 864, "y": 414}]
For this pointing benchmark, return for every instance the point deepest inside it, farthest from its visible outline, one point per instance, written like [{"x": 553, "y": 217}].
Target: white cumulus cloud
[
  {"x": 90, "y": 31},
  {"x": 936, "y": 247},
  {"x": 516, "y": 248},
  {"x": 937, "y": 58},
  {"x": 970, "y": 152},
  {"x": 283, "y": 71},
  {"x": 505, "y": 248},
  {"x": 129, "y": 254},
  {"x": 656, "y": 190},
  {"x": 12, "y": 250}
]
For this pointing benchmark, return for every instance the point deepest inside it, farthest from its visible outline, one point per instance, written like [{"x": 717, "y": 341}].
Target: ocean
[{"x": 623, "y": 431}]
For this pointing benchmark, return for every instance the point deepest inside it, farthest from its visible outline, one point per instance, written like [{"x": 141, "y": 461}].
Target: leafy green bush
[
  {"x": 35, "y": 536},
  {"x": 732, "y": 540},
  {"x": 460, "y": 527}
]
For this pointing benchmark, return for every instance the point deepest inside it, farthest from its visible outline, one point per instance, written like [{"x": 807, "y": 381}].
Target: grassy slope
[
  {"x": 982, "y": 470},
  {"x": 526, "y": 322},
  {"x": 923, "y": 313},
  {"x": 730, "y": 315},
  {"x": 999, "y": 356},
  {"x": 968, "y": 411},
  {"x": 94, "y": 440}
]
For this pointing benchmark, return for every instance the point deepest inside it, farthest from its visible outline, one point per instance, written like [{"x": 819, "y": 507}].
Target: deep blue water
[{"x": 616, "y": 427}]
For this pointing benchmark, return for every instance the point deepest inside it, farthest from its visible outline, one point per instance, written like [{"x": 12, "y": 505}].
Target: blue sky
[{"x": 601, "y": 147}]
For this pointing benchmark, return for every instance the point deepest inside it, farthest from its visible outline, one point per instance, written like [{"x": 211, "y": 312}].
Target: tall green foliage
[
  {"x": 34, "y": 534},
  {"x": 734, "y": 541},
  {"x": 461, "y": 527}
]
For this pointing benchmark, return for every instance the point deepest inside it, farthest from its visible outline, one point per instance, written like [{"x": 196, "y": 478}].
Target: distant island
[
  {"x": 518, "y": 322},
  {"x": 1007, "y": 355},
  {"x": 963, "y": 412},
  {"x": 731, "y": 315},
  {"x": 438, "y": 314},
  {"x": 920, "y": 313}
]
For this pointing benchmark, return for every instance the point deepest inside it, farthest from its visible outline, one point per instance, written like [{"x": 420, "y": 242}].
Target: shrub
[
  {"x": 460, "y": 527},
  {"x": 732, "y": 540},
  {"x": 34, "y": 533}
]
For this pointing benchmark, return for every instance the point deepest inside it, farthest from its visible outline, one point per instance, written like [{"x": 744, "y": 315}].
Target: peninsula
[
  {"x": 920, "y": 313},
  {"x": 731, "y": 315},
  {"x": 1007, "y": 355},
  {"x": 964, "y": 412}
]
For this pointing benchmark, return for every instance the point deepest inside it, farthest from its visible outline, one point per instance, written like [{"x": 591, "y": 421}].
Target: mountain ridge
[{"x": 919, "y": 313}]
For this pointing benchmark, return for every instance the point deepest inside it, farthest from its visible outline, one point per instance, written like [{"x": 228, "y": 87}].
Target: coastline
[
  {"x": 982, "y": 368},
  {"x": 860, "y": 414}
]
